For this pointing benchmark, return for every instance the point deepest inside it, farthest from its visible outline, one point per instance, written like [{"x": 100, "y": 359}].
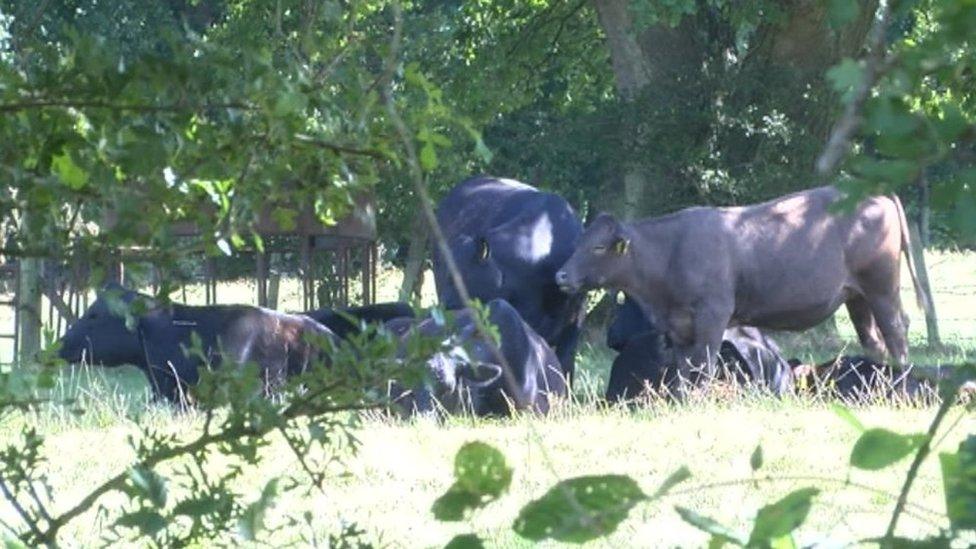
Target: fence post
[
  {"x": 918, "y": 254},
  {"x": 29, "y": 309}
]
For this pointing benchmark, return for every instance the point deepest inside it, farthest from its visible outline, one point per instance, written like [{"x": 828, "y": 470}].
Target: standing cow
[
  {"x": 507, "y": 240},
  {"x": 784, "y": 264}
]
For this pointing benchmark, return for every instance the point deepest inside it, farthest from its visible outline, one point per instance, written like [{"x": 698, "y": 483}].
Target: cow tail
[{"x": 921, "y": 297}]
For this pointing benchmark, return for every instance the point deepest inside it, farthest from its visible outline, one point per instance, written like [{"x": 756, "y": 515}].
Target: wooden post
[
  {"x": 918, "y": 255},
  {"x": 308, "y": 286},
  {"x": 274, "y": 282},
  {"x": 261, "y": 260},
  {"x": 29, "y": 309}
]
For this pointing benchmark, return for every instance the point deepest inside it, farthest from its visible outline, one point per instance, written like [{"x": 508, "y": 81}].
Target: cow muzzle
[{"x": 566, "y": 283}]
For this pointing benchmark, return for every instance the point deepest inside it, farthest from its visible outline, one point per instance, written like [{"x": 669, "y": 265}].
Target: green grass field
[{"x": 402, "y": 466}]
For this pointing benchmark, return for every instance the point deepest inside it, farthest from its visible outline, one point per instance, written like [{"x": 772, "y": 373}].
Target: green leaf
[
  {"x": 452, "y": 505},
  {"x": 481, "y": 475},
  {"x": 69, "y": 172},
  {"x": 720, "y": 533},
  {"x": 756, "y": 459},
  {"x": 675, "y": 478},
  {"x": 959, "y": 481},
  {"x": 785, "y": 542},
  {"x": 845, "y": 413},
  {"x": 465, "y": 541},
  {"x": 878, "y": 448},
  {"x": 779, "y": 519},
  {"x": 842, "y": 12},
  {"x": 579, "y": 509},
  {"x": 290, "y": 102},
  {"x": 428, "y": 157},
  {"x": 952, "y": 123},
  {"x": 146, "y": 521},
  {"x": 481, "y": 469},
  {"x": 149, "y": 485},
  {"x": 845, "y": 77},
  {"x": 252, "y": 519}
]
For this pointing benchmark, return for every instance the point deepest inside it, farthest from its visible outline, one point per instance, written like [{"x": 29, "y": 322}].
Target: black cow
[
  {"x": 100, "y": 336},
  {"x": 469, "y": 375},
  {"x": 281, "y": 344},
  {"x": 646, "y": 357},
  {"x": 859, "y": 379},
  {"x": 508, "y": 240}
]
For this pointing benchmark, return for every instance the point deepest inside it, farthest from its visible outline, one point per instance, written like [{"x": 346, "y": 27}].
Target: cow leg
[
  {"x": 867, "y": 329},
  {"x": 698, "y": 356},
  {"x": 891, "y": 319},
  {"x": 565, "y": 350}
]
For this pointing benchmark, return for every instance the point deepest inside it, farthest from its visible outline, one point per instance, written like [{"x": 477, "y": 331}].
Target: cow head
[
  {"x": 477, "y": 260},
  {"x": 601, "y": 259},
  {"x": 100, "y": 335}
]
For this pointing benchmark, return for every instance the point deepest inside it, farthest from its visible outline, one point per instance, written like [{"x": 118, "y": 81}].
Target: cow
[
  {"x": 100, "y": 335},
  {"x": 281, "y": 344},
  {"x": 470, "y": 374},
  {"x": 507, "y": 240},
  {"x": 646, "y": 359},
  {"x": 860, "y": 378},
  {"x": 785, "y": 264}
]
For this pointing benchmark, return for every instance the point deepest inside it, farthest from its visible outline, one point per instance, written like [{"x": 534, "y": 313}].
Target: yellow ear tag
[{"x": 621, "y": 297}]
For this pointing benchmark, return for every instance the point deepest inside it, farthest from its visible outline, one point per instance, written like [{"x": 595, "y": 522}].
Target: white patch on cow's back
[{"x": 537, "y": 244}]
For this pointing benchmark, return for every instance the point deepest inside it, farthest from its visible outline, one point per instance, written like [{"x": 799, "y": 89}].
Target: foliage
[
  {"x": 917, "y": 126},
  {"x": 180, "y": 488},
  {"x": 586, "y": 508}
]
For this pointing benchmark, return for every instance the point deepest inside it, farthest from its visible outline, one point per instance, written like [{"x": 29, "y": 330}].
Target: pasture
[{"x": 388, "y": 484}]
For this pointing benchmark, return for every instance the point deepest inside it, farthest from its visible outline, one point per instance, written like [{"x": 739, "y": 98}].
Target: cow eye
[{"x": 599, "y": 250}]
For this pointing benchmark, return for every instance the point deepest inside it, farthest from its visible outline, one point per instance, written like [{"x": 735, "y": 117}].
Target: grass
[{"x": 401, "y": 467}]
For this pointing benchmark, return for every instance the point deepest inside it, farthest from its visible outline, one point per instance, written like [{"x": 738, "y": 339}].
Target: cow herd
[{"x": 696, "y": 287}]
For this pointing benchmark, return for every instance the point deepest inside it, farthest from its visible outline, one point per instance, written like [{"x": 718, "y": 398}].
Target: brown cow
[{"x": 785, "y": 264}]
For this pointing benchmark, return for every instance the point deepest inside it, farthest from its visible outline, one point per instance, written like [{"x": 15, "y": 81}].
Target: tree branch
[
  {"x": 93, "y": 104},
  {"x": 339, "y": 148},
  {"x": 875, "y": 65}
]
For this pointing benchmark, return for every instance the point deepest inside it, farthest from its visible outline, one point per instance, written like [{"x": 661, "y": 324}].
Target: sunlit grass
[{"x": 402, "y": 466}]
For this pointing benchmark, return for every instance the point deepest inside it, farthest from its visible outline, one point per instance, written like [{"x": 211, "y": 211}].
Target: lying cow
[
  {"x": 646, "y": 357},
  {"x": 100, "y": 335},
  {"x": 785, "y": 264},
  {"x": 469, "y": 374},
  {"x": 281, "y": 344},
  {"x": 860, "y": 379},
  {"x": 507, "y": 240}
]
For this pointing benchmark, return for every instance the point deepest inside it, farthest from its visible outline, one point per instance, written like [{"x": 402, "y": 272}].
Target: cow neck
[{"x": 649, "y": 261}]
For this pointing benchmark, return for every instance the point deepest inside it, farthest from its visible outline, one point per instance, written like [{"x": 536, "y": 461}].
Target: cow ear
[
  {"x": 621, "y": 245},
  {"x": 484, "y": 251},
  {"x": 479, "y": 374}
]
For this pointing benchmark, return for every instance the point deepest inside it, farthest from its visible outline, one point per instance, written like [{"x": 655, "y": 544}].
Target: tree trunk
[
  {"x": 414, "y": 269},
  {"x": 632, "y": 75},
  {"x": 29, "y": 309}
]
